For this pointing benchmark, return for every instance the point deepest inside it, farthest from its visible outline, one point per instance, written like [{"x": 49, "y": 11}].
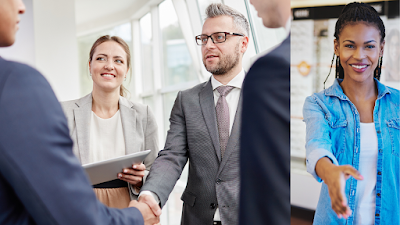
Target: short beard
[{"x": 226, "y": 64}]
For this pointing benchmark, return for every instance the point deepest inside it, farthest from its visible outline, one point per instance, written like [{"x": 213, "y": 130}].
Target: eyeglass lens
[{"x": 216, "y": 38}]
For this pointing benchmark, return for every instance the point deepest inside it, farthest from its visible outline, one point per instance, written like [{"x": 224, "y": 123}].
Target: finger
[
  {"x": 129, "y": 178},
  {"x": 351, "y": 171},
  {"x": 139, "y": 166},
  {"x": 133, "y": 172}
]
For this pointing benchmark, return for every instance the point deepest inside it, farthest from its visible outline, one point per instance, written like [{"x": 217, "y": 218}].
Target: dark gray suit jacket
[
  {"x": 193, "y": 135},
  {"x": 41, "y": 181}
]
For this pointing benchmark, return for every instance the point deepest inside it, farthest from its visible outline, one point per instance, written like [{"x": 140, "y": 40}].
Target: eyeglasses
[{"x": 218, "y": 37}]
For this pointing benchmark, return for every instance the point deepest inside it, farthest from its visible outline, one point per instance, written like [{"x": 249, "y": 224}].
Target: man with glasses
[{"x": 204, "y": 128}]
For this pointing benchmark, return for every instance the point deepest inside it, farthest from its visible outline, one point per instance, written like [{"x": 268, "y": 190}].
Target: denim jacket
[{"x": 333, "y": 131}]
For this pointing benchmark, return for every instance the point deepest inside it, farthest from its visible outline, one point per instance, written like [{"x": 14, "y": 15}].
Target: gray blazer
[
  {"x": 193, "y": 135},
  {"x": 138, "y": 123}
]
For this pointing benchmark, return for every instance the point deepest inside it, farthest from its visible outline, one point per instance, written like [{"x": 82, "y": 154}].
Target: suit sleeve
[
  {"x": 170, "y": 162},
  {"x": 36, "y": 157}
]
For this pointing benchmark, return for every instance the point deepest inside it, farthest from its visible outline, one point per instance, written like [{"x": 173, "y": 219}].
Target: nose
[
  {"x": 21, "y": 7},
  {"x": 109, "y": 66},
  {"x": 359, "y": 53},
  {"x": 210, "y": 43}
]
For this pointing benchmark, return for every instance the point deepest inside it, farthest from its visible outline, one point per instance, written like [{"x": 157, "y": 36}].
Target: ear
[
  {"x": 382, "y": 48},
  {"x": 245, "y": 44},
  {"x": 90, "y": 66},
  {"x": 336, "y": 47}
]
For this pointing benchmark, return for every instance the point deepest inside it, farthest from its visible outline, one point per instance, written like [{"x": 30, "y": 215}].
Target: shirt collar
[
  {"x": 336, "y": 89},
  {"x": 236, "y": 82}
]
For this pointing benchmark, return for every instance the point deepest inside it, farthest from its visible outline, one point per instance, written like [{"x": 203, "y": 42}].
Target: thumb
[{"x": 351, "y": 171}]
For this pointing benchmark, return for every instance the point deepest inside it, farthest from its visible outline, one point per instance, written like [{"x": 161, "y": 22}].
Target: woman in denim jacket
[{"x": 353, "y": 128}]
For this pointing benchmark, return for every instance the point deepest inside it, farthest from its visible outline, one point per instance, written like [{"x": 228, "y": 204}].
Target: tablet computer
[{"x": 108, "y": 170}]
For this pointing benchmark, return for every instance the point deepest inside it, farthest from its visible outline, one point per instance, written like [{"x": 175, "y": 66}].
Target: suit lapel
[
  {"x": 208, "y": 109},
  {"x": 128, "y": 118},
  {"x": 82, "y": 120},
  {"x": 234, "y": 137}
]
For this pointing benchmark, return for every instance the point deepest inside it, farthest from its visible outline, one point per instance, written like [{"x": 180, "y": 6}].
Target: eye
[
  {"x": 349, "y": 46},
  {"x": 370, "y": 46},
  {"x": 100, "y": 58},
  {"x": 220, "y": 37},
  {"x": 119, "y": 61}
]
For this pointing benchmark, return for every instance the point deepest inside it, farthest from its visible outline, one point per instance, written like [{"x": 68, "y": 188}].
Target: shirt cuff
[
  {"x": 151, "y": 194},
  {"x": 313, "y": 158}
]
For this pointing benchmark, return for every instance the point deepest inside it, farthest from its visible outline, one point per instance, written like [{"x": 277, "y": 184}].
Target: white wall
[
  {"x": 24, "y": 48},
  {"x": 46, "y": 40},
  {"x": 56, "y": 46}
]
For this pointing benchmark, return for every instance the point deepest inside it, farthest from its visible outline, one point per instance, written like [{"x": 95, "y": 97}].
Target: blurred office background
[
  {"x": 56, "y": 36},
  {"x": 312, "y": 38}
]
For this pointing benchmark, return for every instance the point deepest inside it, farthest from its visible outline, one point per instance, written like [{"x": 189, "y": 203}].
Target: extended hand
[
  {"x": 133, "y": 175},
  {"x": 335, "y": 178},
  {"x": 151, "y": 202},
  {"x": 148, "y": 216}
]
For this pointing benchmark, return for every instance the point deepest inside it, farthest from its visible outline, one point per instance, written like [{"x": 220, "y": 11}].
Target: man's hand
[
  {"x": 151, "y": 202},
  {"x": 335, "y": 178},
  {"x": 133, "y": 175},
  {"x": 148, "y": 216}
]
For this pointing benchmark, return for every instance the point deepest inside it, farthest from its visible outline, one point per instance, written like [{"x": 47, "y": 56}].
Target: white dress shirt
[{"x": 233, "y": 100}]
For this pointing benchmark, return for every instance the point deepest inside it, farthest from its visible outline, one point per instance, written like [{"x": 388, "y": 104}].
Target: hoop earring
[
  {"x": 333, "y": 58},
  {"x": 337, "y": 67},
  {"x": 378, "y": 69}
]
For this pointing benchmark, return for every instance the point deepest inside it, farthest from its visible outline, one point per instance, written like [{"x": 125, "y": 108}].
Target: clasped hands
[
  {"x": 147, "y": 206},
  {"x": 335, "y": 178}
]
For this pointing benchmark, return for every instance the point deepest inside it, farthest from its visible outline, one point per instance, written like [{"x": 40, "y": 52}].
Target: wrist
[{"x": 323, "y": 167}]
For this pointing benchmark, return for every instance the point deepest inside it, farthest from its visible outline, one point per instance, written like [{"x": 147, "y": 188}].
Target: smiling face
[
  {"x": 108, "y": 66},
  {"x": 9, "y": 17},
  {"x": 225, "y": 57},
  {"x": 359, "y": 48}
]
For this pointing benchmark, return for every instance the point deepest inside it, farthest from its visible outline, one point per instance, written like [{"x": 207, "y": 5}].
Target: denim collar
[{"x": 337, "y": 91}]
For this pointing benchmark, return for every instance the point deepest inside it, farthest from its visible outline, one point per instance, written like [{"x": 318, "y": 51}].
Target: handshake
[{"x": 149, "y": 208}]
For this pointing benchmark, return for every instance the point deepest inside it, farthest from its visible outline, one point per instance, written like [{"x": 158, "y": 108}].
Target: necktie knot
[{"x": 224, "y": 90}]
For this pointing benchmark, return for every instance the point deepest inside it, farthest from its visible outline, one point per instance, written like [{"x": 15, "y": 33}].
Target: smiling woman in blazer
[{"x": 104, "y": 124}]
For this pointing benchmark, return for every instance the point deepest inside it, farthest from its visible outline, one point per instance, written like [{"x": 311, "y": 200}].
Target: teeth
[
  {"x": 359, "y": 66},
  {"x": 107, "y": 75}
]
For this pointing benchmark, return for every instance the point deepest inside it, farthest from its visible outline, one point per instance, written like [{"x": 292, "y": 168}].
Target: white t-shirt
[{"x": 365, "y": 193}]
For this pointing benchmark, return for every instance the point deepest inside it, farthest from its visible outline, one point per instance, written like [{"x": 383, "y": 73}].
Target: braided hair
[{"x": 359, "y": 12}]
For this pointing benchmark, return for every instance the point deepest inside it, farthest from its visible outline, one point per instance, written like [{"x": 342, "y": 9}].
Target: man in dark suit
[
  {"x": 41, "y": 181},
  {"x": 204, "y": 128},
  {"x": 265, "y": 134}
]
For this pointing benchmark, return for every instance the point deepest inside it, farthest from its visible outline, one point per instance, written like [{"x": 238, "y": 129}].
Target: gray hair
[{"x": 239, "y": 21}]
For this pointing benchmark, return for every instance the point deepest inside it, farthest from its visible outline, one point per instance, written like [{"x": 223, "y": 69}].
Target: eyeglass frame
[{"x": 209, "y": 36}]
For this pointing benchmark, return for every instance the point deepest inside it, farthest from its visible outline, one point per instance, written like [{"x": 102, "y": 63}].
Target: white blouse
[{"x": 106, "y": 138}]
